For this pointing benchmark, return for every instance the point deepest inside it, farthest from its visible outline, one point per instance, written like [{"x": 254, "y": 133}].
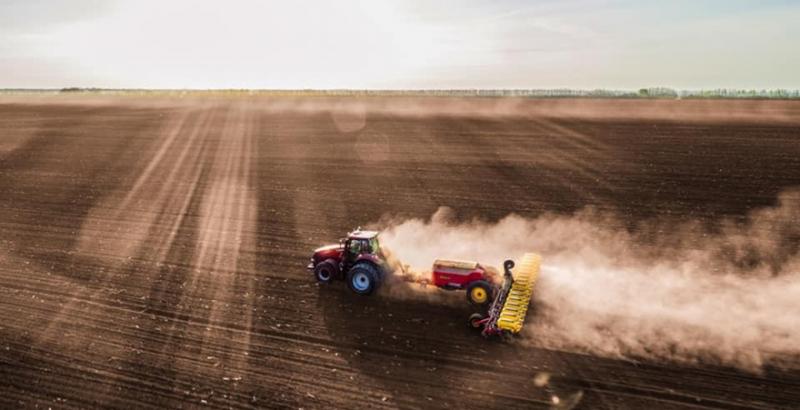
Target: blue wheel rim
[{"x": 360, "y": 282}]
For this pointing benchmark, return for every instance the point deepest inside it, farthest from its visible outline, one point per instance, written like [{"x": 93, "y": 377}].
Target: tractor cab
[{"x": 359, "y": 243}]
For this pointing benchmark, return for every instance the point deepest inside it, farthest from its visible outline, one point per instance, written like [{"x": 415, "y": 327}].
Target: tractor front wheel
[
  {"x": 363, "y": 278},
  {"x": 325, "y": 271},
  {"x": 479, "y": 293}
]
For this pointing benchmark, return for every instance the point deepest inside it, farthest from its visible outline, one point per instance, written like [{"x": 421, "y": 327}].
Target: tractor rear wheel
[
  {"x": 479, "y": 293},
  {"x": 363, "y": 278},
  {"x": 325, "y": 271}
]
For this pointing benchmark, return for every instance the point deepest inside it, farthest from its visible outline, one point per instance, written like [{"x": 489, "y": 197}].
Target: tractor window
[
  {"x": 374, "y": 246},
  {"x": 355, "y": 246}
]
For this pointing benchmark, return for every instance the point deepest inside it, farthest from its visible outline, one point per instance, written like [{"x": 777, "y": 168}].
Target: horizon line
[{"x": 470, "y": 89}]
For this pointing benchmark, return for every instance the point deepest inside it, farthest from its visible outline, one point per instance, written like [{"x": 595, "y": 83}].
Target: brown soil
[{"x": 152, "y": 252}]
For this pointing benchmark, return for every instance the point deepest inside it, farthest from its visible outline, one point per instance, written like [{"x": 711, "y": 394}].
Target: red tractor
[{"x": 359, "y": 261}]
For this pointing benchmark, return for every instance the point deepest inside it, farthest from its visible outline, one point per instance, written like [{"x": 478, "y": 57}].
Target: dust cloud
[{"x": 685, "y": 292}]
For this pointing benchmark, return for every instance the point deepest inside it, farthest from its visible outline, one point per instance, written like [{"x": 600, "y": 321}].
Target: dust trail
[{"x": 665, "y": 292}]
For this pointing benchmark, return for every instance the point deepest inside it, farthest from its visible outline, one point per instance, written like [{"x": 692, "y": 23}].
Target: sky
[{"x": 399, "y": 44}]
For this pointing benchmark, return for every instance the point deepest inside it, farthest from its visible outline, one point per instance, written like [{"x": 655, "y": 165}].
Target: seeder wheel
[
  {"x": 480, "y": 293},
  {"x": 476, "y": 320}
]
